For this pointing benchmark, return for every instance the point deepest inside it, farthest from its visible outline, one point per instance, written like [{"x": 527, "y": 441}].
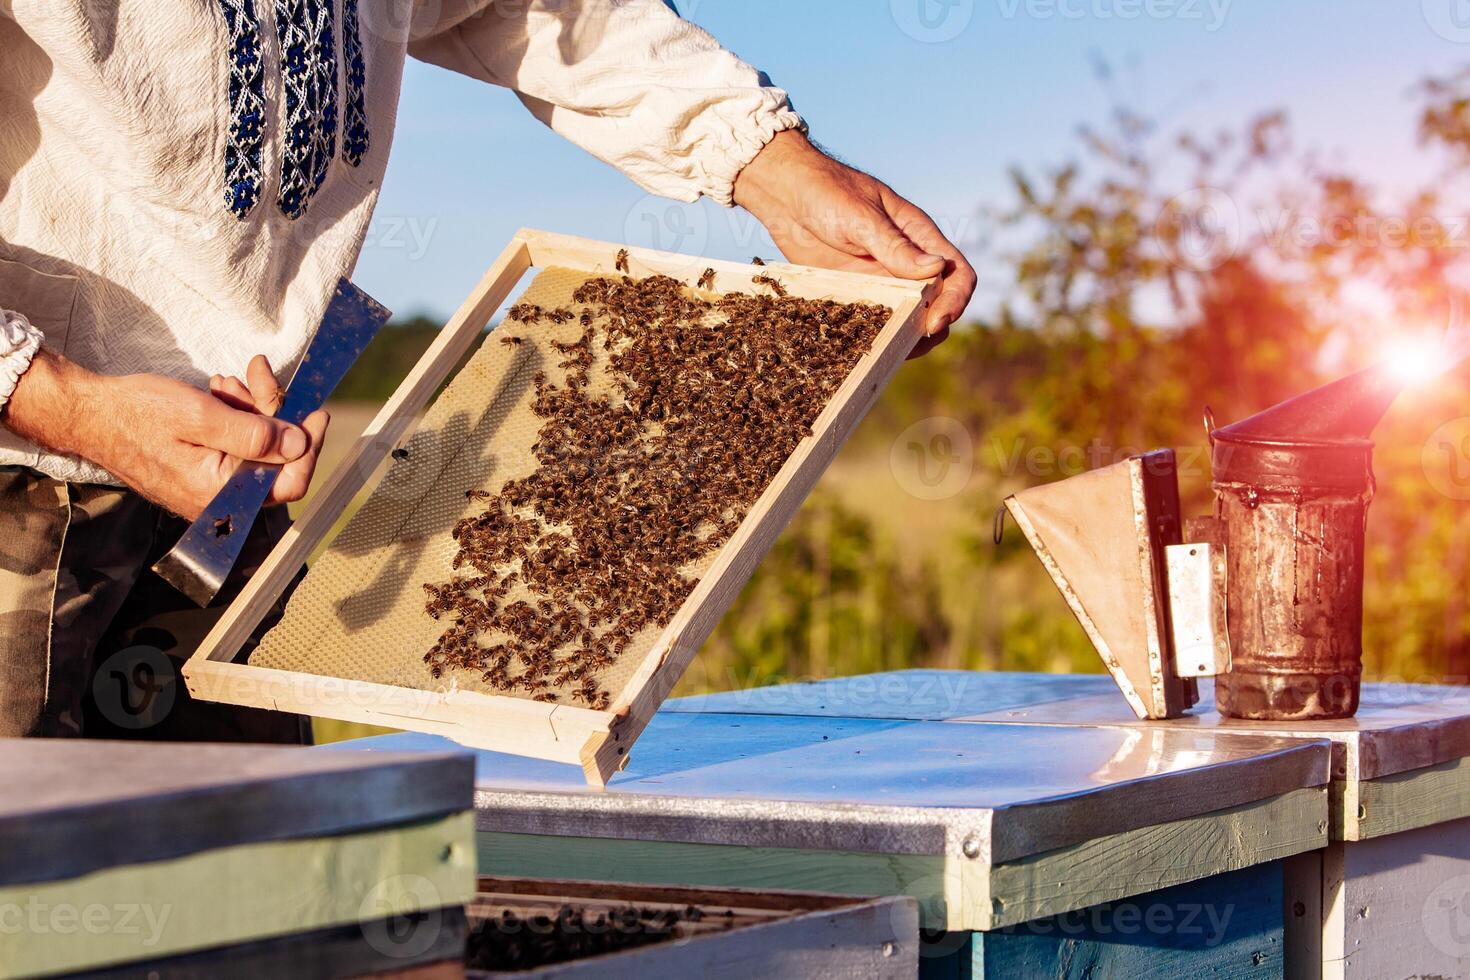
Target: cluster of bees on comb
[{"x": 698, "y": 403}]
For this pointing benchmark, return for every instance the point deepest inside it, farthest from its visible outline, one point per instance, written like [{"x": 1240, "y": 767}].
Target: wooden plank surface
[
  {"x": 1302, "y": 915},
  {"x": 235, "y": 895},
  {"x": 553, "y": 732},
  {"x": 1403, "y": 906},
  {"x": 1146, "y": 860},
  {"x": 70, "y": 806},
  {"x": 874, "y": 940},
  {"x": 708, "y": 865},
  {"x": 1407, "y": 801},
  {"x": 1228, "y": 927},
  {"x": 954, "y": 892},
  {"x": 418, "y": 947}
]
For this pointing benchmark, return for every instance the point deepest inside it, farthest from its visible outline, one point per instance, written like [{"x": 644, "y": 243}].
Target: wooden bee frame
[{"x": 596, "y": 740}]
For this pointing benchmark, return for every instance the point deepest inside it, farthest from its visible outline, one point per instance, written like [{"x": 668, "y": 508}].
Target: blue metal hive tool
[{"x": 198, "y": 565}]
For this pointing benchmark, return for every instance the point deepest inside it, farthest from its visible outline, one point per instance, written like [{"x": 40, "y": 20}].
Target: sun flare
[{"x": 1416, "y": 360}]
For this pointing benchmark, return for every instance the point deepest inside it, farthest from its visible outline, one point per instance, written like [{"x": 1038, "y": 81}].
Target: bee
[
  {"x": 511, "y": 341},
  {"x": 621, "y": 263},
  {"x": 707, "y": 279},
  {"x": 771, "y": 283},
  {"x": 588, "y": 692},
  {"x": 757, "y": 260}
]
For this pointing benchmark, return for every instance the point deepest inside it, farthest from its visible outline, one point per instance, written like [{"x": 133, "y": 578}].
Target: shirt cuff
[
  {"x": 745, "y": 142},
  {"x": 19, "y": 341}
]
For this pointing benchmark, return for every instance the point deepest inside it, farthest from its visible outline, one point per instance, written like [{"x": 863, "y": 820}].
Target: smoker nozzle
[{"x": 1346, "y": 410}]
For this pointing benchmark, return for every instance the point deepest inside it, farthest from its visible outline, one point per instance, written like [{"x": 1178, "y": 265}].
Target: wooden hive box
[
  {"x": 353, "y": 641},
  {"x": 135, "y": 859},
  {"x": 535, "y": 929}
]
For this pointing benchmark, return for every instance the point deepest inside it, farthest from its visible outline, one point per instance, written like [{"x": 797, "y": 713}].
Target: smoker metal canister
[{"x": 1292, "y": 516}]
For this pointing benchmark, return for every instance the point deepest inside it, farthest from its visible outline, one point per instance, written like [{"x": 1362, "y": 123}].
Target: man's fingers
[
  {"x": 249, "y": 436},
  {"x": 232, "y": 392},
  {"x": 929, "y": 342},
  {"x": 295, "y": 477},
  {"x": 953, "y": 298},
  {"x": 893, "y": 250},
  {"x": 263, "y": 386},
  {"x": 959, "y": 276}
]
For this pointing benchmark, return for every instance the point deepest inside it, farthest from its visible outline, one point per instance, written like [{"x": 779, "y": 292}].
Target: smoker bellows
[{"x": 1266, "y": 594}]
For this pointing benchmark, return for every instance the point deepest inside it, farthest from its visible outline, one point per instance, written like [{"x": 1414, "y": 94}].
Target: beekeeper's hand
[
  {"x": 821, "y": 212},
  {"x": 173, "y": 443}
]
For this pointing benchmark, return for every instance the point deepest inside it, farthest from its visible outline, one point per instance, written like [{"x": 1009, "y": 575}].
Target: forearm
[
  {"x": 170, "y": 441},
  {"x": 763, "y": 184},
  {"x": 56, "y": 404}
]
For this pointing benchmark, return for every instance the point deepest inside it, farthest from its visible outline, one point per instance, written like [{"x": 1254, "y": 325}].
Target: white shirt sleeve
[
  {"x": 628, "y": 81},
  {"x": 19, "y": 342}
]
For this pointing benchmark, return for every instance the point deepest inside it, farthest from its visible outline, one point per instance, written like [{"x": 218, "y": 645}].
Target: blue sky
[{"x": 939, "y": 117}]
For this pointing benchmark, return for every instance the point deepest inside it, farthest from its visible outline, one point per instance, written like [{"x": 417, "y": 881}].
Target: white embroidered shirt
[{"x": 182, "y": 182}]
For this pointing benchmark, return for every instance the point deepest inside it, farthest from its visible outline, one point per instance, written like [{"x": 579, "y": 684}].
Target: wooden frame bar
[{"x": 598, "y": 741}]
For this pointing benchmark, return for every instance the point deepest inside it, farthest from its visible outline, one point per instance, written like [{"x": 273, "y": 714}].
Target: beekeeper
[{"x": 182, "y": 184}]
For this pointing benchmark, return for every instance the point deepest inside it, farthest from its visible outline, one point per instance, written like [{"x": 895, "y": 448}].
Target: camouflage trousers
[{"x": 91, "y": 641}]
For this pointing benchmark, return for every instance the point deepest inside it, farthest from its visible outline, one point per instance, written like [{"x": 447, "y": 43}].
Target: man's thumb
[
  {"x": 901, "y": 257},
  {"x": 255, "y": 437}
]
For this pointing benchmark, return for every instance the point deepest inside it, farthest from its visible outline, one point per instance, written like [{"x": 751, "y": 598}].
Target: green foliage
[
  {"x": 832, "y": 597},
  {"x": 1134, "y": 309},
  {"x": 387, "y": 359}
]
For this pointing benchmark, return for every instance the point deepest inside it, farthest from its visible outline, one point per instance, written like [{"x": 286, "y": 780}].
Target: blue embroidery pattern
[
  {"x": 355, "y": 136},
  {"x": 309, "y": 80},
  {"x": 247, "y": 108}
]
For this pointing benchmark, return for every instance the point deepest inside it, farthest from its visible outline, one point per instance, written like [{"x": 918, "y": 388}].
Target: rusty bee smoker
[
  {"x": 1265, "y": 595},
  {"x": 1292, "y": 487}
]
